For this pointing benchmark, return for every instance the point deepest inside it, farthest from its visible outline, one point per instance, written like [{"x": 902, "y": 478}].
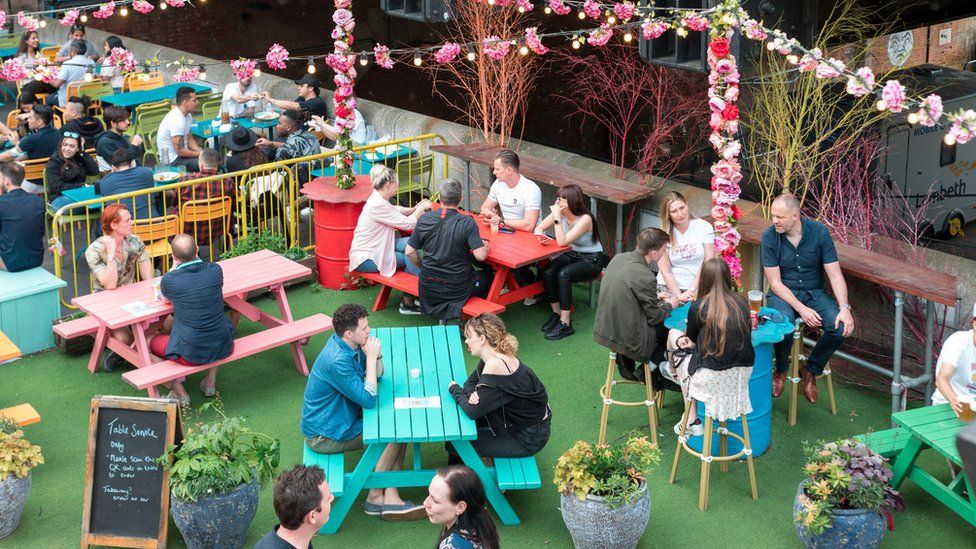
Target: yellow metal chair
[
  {"x": 652, "y": 400},
  {"x": 136, "y": 81},
  {"x": 50, "y": 53},
  {"x": 147, "y": 117},
  {"x": 415, "y": 174},
  {"x": 205, "y": 211},
  {"x": 156, "y": 233},
  {"x": 34, "y": 169},
  {"x": 796, "y": 357}
]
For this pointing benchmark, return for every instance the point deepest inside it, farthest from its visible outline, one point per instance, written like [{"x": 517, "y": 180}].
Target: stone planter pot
[
  {"x": 220, "y": 521},
  {"x": 593, "y": 525},
  {"x": 13, "y": 498},
  {"x": 856, "y": 528}
]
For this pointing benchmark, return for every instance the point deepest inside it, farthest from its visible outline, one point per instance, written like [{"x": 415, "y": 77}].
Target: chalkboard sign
[{"x": 126, "y": 491}]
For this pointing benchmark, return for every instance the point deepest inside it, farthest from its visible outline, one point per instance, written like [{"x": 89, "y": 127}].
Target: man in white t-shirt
[
  {"x": 240, "y": 98},
  {"x": 518, "y": 198},
  {"x": 955, "y": 374},
  {"x": 174, "y": 142}
]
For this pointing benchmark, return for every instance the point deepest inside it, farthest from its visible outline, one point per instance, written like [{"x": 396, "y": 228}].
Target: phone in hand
[{"x": 506, "y": 230}]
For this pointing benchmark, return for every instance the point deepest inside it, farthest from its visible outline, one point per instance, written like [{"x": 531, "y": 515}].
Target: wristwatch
[{"x": 847, "y": 306}]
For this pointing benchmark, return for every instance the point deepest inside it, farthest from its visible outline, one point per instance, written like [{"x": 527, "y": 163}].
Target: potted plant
[
  {"x": 257, "y": 240},
  {"x": 17, "y": 457},
  {"x": 214, "y": 478},
  {"x": 605, "y": 502},
  {"x": 845, "y": 500}
]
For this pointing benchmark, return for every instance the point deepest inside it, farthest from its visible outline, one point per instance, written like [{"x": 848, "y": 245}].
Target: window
[{"x": 947, "y": 155}]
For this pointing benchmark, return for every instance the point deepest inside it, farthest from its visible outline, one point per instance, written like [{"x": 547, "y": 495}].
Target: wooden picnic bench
[
  {"x": 598, "y": 187},
  {"x": 22, "y": 414},
  {"x": 409, "y": 284},
  {"x": 8, "y": 350}
]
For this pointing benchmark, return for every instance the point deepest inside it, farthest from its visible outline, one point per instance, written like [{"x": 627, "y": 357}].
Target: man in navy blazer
[{"x": 200, "y": 332}]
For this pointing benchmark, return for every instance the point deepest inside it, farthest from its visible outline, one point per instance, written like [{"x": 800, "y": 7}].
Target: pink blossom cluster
[
  {"x": 243, "y": 68},
  {"x": 625, "y": 11},
  {"x": 893, "y": 95},
  {"x": 503, "y": 3},
  {"x": 13, "y": 70},
  {"x": 963, "y": 127},
  {"x": 142, "y": 6},
  {"x": 104, "y": 11},
  {"x": 27, "y": 22},
  {"x": 860, "y": 83},
  {"x": 176, "y": 3},
  {"x": 696, "y": 22},
  {"x": 930, "y": 110},
  {"x": 559, "y": 8},
  {"x": 123, "y": 59},
  {"x": 525, "y": 5},
  {"x": 277, "y": 57},
  {"x": 44, "y": 71},
  {"x": 345, "y": 101},
  {"x": 600, "y": 36},
  {"x": 653, "y": 29},
  {"x": 3, "y": 18},
  {"x": 533, "y": 41},
  {"x": 448, "y": 52},
  {"x": 69, "y": 18},
  {"x": 186, "y": 74},
  {"x": 753, "y": 30},
  {"x": 592, "y": 9},
  {"x": 810, "y": 61},
  {"x": 495, "y": 47},
  {"x": 342, "y": 4},
  {"x": 344, "y": 20},
  {"x": 383, "y": 59},
  {"x": 830, "y": 68}
]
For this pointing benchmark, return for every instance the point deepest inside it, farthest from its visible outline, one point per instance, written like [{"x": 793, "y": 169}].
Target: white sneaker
[
  {"x": 305, "y": 212},
  {"x": 530, "y": 301},
  {"x": 695, "y": 428}
]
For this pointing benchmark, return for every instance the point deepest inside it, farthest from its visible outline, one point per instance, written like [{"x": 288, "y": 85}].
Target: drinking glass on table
[
  {"x": 967, "y": 408},
  {"x": 224, "y": 117},
  {"x": 755, "y": 301},
  {"x": 494, "y": 222}
]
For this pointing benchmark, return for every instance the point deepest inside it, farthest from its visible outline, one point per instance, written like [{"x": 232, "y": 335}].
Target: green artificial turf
[{"x": 267, "y": 390}]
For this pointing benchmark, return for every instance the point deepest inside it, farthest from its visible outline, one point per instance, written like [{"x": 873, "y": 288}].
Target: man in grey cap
[{"x": 308, "y": 98}]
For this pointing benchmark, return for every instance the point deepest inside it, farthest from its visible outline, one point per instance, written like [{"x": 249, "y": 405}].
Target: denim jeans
[
  {"x": 403, "y": 262},
  {"x": 829, "y": 341}
]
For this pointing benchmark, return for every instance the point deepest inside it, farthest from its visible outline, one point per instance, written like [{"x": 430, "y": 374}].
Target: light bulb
[
  {"x": 257, "y": 72},
  {"x": 362, "y": 60},
  {"x": 43, "y": 23},
  {"x": 611, "y": 20},
  {"x": 417, "y": 61},
  {"x": 547, "y": 10},
  {"x": 162, "y": 5},
  {"x": 311, "y": 66},
  {"x": 491, "y": 2},
  {"x": 881, "y": 105},
  {"x": 124, "y": 11},
  {"x": 521, "y": 9},
  {"x": 582, "y": 15},
  {"x": 576, "y": 44},
  {"x": 913, "y": 118},
  {"x": 793, "y": 59},
  {"x": 524, "y": 50},
  {"x": 88, "y": 77},
  {"x": 682, "y": 32},
  {"x": 470, "y": 56},
  {"x": 203, "y": 73},
  {"x": 628, "y": 37},
  {"x": 950, "y": 139}
]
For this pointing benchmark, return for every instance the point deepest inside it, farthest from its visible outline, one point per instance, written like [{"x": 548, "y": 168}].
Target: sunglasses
[{"x": 72, "y": 134}]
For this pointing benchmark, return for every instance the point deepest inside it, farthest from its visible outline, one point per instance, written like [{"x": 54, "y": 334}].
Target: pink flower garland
[
  {"x": 69, "y": 18},
  {"x": 893, "y": 96},
  {"x": 930, "y": 110},
  {"x": 142, "y": 6},
  {"x": 653, "y": 29},
  {"x": 13, "y": 70},
  {"x": 277, "y": 57},
  {"x": 186, "y": 74},
  {"x": 696, "y": 22},
  {"x": 243, "y": 68},
  {"x": 3, "y": 18},
  {"x": 592, "y": 9},
  {"x": 383, "y": 59},
  {"x": 123, "y": 59},
  {"x": 559, "y": 8},
  {"x": 525, "y": 5},
  {"x": 495, "y": 47},
  {"x": 27, "y": 22},
  {"x": 600, "y": 36},
  {"x": 533, "y": 41},
  {"x": 176, "y": 3},
  {"x": 625, "y": 11},
  {"x": 104, "y": 11},
  {"x": 860, "y": 84},
  {"x": 447, "y": 52},
  {"x": 43, "y": 71},
  {"x": 345, "y": 100}
]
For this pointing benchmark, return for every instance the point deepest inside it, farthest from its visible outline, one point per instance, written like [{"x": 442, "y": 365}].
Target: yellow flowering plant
[
  {"x": 17, "y": 455},
  {"x": 613, "y": 472}
]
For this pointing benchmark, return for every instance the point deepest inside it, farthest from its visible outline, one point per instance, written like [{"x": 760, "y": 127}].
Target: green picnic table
[
  {"x": 436, "y": 352},
  {"x": 136, "y": 98},
  {"x": 934, "y": 427}
]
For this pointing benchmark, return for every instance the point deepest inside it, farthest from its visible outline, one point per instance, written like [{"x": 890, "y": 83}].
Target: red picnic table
[{"x": 132, "y": 306}]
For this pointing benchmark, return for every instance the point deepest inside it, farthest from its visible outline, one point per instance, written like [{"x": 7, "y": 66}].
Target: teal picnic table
[
  {"x": 136, "y": 98},
  {"x": 436, "y": 352},
  {"x": 935, "y": 428},
  {"x": 204, "y": 129}
]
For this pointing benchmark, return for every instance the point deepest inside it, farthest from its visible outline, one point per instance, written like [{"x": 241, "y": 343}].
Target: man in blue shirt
[
  {"x": 127, "y": 177},
  {"x": 343, "y": 382},
  {"x": 795, "y": 254},
  {"x": 21, "y": 222}
]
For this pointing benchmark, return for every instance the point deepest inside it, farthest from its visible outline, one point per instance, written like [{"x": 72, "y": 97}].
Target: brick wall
[{"x": 959, "y": 47}]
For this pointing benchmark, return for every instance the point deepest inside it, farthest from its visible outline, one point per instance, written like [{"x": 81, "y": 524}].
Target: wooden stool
[
  {"x": 796, "y": 356},
  {"x": 606, "y": 394},
  {"x": 706, "y": 454}
]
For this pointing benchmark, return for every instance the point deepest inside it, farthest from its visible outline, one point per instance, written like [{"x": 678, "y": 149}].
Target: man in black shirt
[
  {"x": 308, "y": 98},
  {"x": 21, "y": 222},
  {"x": 114, "y": 138},
  {"x": 302, "y": 501},
  {"x": 448, "y": 239}
]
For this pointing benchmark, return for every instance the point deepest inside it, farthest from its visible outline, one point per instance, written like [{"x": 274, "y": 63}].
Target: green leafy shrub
[
  {"x": 17, "y": 455},
  {"x": 613, "y": 472},
  {"x": 256, "y": 241},
  {"x": 218, "y": 456}
]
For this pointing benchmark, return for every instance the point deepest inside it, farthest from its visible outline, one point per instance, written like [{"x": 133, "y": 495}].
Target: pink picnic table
[{"x": 254, "y": 271}]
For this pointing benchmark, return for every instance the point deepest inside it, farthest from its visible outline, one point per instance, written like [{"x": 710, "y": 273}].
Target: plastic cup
[
  {"x": 755, "y": 300},
  {"x": 415, "y": 372},
  {"x": 494, "y": 226}
]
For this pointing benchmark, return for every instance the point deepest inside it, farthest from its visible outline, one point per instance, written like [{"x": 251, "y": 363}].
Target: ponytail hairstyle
[
  {"x": 464, "y": 485},
  {"x": 722, "y": 306},
  {"x": 493, "y": 328}
]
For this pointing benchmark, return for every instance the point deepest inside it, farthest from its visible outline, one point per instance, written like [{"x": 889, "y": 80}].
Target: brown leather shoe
[
  {"x": 779, "y": 382},
  {"x": 809, "y": 386}
]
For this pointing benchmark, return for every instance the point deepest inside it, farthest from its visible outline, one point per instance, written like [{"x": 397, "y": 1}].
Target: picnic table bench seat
[
  {"x": 888, "y": 443},
  {"x": 8, "y": 349},
  {"x": 408, "y": 283},
  {"x": 333, "y": 465},
  {"x": 168, "y": 370},
  {"x": 22, "y": 414},
  {"x": 517, "y": 473},
  {"x": 78, "y": 327}
]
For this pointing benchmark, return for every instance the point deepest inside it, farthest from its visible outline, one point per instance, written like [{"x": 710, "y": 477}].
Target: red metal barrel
[{"x": 336, "y": 214}]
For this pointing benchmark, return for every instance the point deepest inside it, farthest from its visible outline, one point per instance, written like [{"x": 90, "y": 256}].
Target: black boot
[
  {"x": 560, "y": 331},
  {"x": 551, "y": 322}
]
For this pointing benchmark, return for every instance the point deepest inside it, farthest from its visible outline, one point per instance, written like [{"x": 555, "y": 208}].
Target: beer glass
[
  {"x": 224, "y": 117},
  {"x": 755, "y": 301},
  {"x": 967, "y": 408}
]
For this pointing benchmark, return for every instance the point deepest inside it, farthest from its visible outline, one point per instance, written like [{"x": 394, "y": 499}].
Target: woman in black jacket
[
  {"x": 719, "y": 337},
  {"x": 68, "y": 168},
  {"x": 505, "y": 398}
]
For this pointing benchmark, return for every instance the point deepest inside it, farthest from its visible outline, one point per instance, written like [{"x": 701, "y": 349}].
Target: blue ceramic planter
[
  {"x": 220, "y": 521},
  {"x": 855, "y": 528}
]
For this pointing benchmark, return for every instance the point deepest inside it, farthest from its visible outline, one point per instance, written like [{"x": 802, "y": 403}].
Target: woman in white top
[
  {"x": 375, "y": 247},
  {"x": 109, "y": 71},
  {"x": 574, "y": 225},
  {"x": 692, "y": 243},
  {"x": 29, "y": 49}
]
